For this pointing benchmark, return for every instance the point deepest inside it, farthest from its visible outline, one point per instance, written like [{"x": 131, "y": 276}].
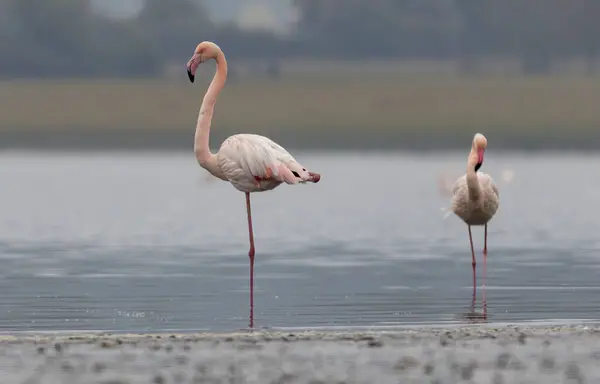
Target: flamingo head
[
  {"x": 479, "y": 145},
  {"x": 204, "y": 51}
]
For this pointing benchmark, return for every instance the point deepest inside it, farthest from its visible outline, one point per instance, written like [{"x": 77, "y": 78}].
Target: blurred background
[{"x": 308, "y": 73}]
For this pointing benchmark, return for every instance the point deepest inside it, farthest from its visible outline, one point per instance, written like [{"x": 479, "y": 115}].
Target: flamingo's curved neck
[
  {"x": 201, "y": 148},
  {"x": 472, "y": 180}
]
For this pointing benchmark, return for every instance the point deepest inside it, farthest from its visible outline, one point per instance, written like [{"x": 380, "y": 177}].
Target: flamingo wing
[
  {"x": 461, "y": 183},
  {"x": 487, "y": 182},
  {"x": 250, "y": 158},
  {"x": 445, "y": 185}
]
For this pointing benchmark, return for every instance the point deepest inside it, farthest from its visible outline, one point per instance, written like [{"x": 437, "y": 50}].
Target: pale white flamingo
[
  {"x": 251, "y": 163},
  {"x": 475, "y": 197}
]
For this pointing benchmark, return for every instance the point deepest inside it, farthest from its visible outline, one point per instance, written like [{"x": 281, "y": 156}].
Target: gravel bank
[{"x": 505, "y": 354}]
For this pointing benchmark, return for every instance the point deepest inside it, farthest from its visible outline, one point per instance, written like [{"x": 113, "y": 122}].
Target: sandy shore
[{"x": 506, "y": 354}]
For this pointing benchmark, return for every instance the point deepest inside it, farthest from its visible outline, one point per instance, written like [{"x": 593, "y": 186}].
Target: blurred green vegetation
[
  {"x": 312, "y": 109},
  {"x": 351, "y": 72},
  {"x": 66, "y": 38}
]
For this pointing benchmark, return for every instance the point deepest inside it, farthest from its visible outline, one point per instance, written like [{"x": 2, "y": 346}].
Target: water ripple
[{"x": 116, "y": 244}]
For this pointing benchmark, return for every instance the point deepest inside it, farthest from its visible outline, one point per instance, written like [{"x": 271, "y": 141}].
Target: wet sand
[{"x": 475, "y": 354}]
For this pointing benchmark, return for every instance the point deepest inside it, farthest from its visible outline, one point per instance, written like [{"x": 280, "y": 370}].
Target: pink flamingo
[{"x": 251, "y": 163}]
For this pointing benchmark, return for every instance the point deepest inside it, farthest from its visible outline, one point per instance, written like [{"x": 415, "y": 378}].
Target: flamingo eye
[{"x": 295, "y": 173}]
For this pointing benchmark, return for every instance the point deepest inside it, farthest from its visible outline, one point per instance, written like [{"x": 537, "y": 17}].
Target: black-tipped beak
[
  {"x": 190, "y": 75},
  {"x": 477, "y": 166}
]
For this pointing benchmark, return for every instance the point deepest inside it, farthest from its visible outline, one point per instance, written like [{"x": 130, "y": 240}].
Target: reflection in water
[{"x": 475, "y": 316}]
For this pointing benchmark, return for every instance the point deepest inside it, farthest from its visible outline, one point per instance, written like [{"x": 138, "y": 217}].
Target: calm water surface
[{"x": 143, "y": 242}]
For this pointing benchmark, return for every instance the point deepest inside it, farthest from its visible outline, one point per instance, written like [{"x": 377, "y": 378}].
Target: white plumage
[
  {"x": 475, "y": 211},
  {"x": 254, "y": 163}
]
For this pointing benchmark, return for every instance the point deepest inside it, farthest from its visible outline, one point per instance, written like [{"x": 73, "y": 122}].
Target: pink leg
[
  {"x": 251, "y": 256},
  {"x": 484, "y": 304},
  {"x": 474, "y": 299},
  {"x": 484, "y": 271},
  {"x": 474, "y": 263},
  {"x": 485, "y": 254}
]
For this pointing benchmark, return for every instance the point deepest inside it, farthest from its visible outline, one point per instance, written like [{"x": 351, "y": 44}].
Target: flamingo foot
[{"x": 314, "y": 177}]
